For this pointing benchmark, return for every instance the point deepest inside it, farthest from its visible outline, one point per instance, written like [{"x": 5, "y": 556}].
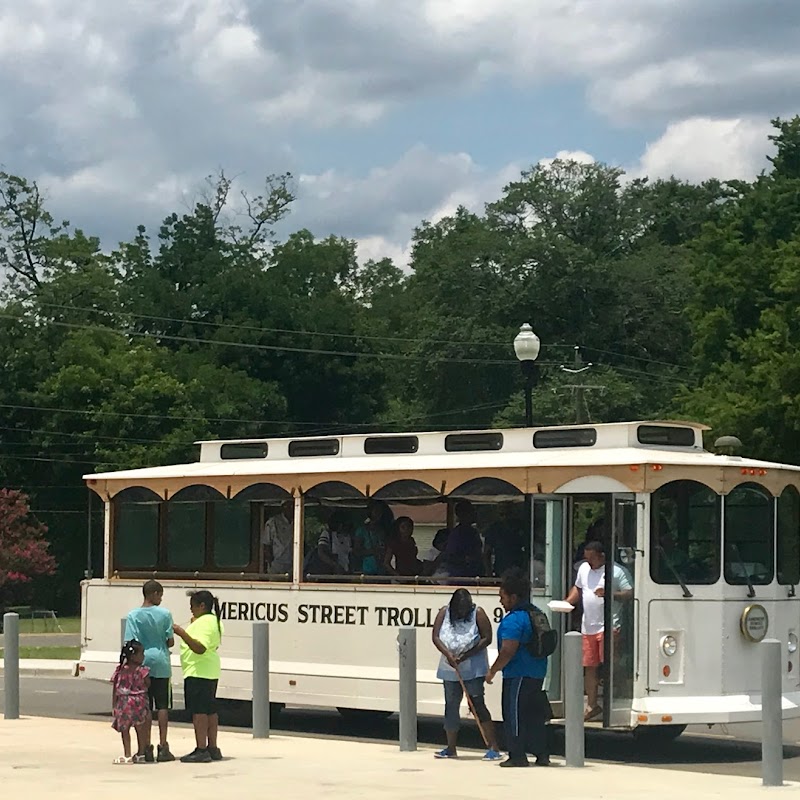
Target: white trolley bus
[{"x": 711, "y": 542}]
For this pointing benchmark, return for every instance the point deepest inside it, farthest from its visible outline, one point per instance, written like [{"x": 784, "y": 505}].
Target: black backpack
[{"x": 544, "y": 641}]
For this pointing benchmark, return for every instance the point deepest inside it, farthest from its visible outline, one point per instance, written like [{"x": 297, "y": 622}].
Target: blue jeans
[{"x": 452, "y": 702}]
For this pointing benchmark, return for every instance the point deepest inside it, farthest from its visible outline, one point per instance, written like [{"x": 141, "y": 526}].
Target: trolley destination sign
[{"x": 328, "y": 614}]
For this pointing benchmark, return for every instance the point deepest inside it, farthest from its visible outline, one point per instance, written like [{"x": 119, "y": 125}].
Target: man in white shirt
[
  {"x": 590, "y": 589},
  {"x": 276, "y": 541}
]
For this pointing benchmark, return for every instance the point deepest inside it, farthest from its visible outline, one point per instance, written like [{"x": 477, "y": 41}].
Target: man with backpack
[{"x": 524, "y": 640}]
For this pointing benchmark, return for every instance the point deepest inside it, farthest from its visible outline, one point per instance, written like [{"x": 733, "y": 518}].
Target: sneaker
[
  {"x": 215, "y": 753},
  {"x": 164, "y": 754},
  {"x": 510, "y": 762},
  {"x": 149, "y": 755},
  {"x": 492, "y": 755},
  {"x": 445, "y": 754},
  {"x": 197, "y": 756},
  {"x": 543, "y": 761}
]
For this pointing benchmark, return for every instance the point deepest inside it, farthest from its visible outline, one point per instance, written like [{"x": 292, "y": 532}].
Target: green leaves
[{"x": 746, "y": 268}]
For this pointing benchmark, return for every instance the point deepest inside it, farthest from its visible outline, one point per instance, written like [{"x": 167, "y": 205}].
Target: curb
[{"x": 59, "y": 669}]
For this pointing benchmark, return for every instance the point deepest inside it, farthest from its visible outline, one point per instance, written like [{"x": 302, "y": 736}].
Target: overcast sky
[{"x": 386, "y": 112}]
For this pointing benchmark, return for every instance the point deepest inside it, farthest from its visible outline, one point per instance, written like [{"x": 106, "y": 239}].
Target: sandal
[
  {"x": 593, "y": 713},
  {"x": 123, "y": 760},
  {"x": 140, "y": 758}
]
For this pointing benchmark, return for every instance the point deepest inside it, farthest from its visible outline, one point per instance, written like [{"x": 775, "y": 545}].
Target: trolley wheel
[
  {"x": 657, "y": 734},
  {"x": 363, "y": 713},
  {"x": 275, "y": 710}
]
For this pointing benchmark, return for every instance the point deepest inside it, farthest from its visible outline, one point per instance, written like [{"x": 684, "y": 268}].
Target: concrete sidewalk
[{"x": 44, "y": 758}]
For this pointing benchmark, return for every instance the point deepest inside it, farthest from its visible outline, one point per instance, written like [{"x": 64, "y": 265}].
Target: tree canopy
[{"x": 683, "y": 297}]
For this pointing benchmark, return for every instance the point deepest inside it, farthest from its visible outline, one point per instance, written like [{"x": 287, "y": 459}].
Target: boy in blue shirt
[
  {"x": 152, "y": 626},
  {"x": 525, "y": 705}
]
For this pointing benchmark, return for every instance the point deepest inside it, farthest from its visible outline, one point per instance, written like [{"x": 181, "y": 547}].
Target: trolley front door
[
  {"x": 546, "y": 571},
  {"x": 620, "y": 611}
]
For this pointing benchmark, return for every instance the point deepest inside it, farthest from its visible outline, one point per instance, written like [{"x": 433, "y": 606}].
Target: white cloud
[
  {"x": 580, "y": 156},
  {"x": 375, "y": 248},
  {"x": 382, "y": 207},
  {"x": 700, "y": 148},
  {"x": 119, "y": 108}
]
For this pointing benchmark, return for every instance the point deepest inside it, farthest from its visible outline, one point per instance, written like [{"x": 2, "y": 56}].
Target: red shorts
[{"x": 593, "y": 649}]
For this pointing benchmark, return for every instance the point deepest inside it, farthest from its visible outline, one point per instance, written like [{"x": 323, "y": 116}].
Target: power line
[
  {"x": 91, "y": 436},
  {"x": 72, "y": 486},
  {"x": 266, "y": 347},
  {"x": 333, "y": 427},
  {"x": 294, "y": 332},
  {"x": 635, "y": 358},
  {"x": 62, "y": 511},
  {"x": 649, "y": 375},
  {"x": 291, "y": 331},
  {"x": 66, "y": 459},
  {"x": 198, "y": 418},
  {"x": 316, "y": 423}
]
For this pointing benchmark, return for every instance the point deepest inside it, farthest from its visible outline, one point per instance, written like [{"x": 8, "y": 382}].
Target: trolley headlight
[
  {"x": 669, "y": 645},
  {"x": 792, "y": 643}
]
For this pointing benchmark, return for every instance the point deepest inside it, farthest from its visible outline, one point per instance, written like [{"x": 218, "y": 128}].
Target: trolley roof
[{"x": 608, "y": 444}]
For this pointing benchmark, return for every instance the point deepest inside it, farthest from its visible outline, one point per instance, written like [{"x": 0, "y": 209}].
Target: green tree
[{"x": 746, "y": 270}]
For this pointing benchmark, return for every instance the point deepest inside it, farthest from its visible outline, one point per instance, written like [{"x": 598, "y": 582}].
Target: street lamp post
[{"x": 527, "y": 346}]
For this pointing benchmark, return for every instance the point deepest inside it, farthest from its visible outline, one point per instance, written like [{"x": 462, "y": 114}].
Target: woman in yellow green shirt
[{"x": 200, "y": 642}]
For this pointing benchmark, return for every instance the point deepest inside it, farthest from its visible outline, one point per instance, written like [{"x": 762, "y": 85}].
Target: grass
[
  {"x": 71, "y": 653},
  {"x": 68, "y": 625}
]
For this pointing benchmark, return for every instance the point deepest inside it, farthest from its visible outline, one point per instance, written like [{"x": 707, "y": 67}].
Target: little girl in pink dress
[{"x": 131, "y": 705}]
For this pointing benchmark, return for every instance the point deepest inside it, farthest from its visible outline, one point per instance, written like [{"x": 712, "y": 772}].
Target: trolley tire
[
  {"x": 363, "y": 713},
  {"x": 657, "y": 734}
]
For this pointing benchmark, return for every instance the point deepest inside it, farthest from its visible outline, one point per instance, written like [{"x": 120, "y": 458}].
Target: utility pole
[{"x": 579, "y": 389}]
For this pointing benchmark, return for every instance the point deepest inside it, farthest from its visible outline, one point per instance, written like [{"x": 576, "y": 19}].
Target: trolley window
[
  {"x": 663, "y": 435},
  {"x": 300, "y": 448},
  {"x": 232, "y": 533},
  {"x": 463, "y": 442},
  {"x": 391, "y": 444},
  {"x": 749, "y": 548},
  {"x": 788, "y": 561},
  {"x": 569, "y": 437},
  {"x": 186, "y": 535},
  {"x": 685, "y": 534},
  {"x": 236, "y": 450},
  {"x": 136, "y": 535}
]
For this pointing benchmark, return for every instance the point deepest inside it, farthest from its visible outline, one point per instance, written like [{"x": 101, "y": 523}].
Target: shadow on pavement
[{"x": 687, "y": 750}]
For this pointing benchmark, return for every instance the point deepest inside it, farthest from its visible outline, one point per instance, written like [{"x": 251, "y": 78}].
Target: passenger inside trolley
[
  {"x": 379, "y": 543},
  {"x": 401, "y": 550}
]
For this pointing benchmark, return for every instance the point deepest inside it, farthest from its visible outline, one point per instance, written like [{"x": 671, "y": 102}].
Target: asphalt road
[{"x": 733, "y": 750}]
